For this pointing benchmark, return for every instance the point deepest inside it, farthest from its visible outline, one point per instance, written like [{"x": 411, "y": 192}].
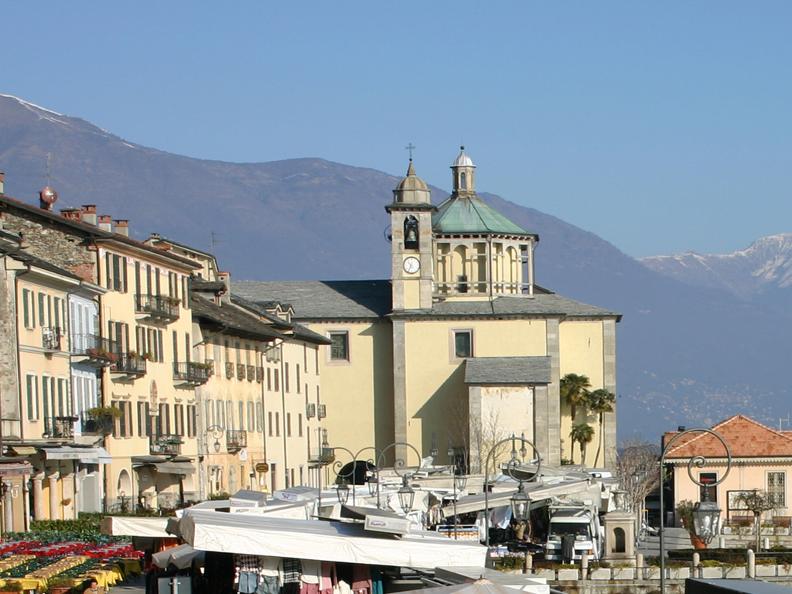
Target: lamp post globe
[
  {"x": 216, "y": 446},
  {"x": 460, "y": 481},
  {"x": 372, "y": 485},
  {"x": 706, "y": 520}
]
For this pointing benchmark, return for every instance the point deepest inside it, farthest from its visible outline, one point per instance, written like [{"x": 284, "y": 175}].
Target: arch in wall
[
  {"x": 463, "y": 180},
  {"x": 619, "y": 540},
  {"x": 124, "y": 484}
]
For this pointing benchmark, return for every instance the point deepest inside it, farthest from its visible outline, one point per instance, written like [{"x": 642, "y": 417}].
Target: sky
[{"x": 661, "y": 127}]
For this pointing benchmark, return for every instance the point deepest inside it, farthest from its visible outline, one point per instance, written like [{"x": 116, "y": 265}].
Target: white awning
[
  {"x": 85, "y": 455},
  {"x": 535, "y": 492},
  {"x": 131, "y": 526},
  {"x": 181, "y": 556},
  {"x": 324, "y": 541},
  {"x": 174, "y": 468}
]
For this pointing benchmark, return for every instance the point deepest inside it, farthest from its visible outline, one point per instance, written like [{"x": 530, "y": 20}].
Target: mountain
[
  {"x": 688, "y": 354},
  {"x": 760, "y": 273}
]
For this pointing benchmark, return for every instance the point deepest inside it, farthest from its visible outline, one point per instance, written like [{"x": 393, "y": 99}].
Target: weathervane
[{"x": 410, "y": 147}]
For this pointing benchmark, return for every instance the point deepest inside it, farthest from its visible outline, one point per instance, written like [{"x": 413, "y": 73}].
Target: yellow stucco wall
[{"x": 436, "y": 392}]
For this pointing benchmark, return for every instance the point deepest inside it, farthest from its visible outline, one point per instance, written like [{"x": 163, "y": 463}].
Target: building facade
[{"x": 460, "y": 347}]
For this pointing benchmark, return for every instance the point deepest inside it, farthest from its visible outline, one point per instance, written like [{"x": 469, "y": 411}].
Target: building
[
  {"x": 761, "y": 460},
  {"x": 460, "y": 347}
]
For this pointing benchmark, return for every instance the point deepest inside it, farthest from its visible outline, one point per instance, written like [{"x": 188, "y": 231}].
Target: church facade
[{"x": 459, "y": 347}]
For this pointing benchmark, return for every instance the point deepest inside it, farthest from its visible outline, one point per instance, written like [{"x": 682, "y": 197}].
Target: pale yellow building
[{"x": 460, "y": 347}]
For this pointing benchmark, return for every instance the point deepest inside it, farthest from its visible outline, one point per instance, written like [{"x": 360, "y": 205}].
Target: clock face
[{"x": 412, "y": 265}]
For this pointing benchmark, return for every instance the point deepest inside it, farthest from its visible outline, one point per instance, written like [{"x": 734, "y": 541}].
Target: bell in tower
[{"x": 410, "y": 233}]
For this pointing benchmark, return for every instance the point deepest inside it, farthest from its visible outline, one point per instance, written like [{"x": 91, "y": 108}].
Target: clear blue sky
[{"x": 661, "y": 126}]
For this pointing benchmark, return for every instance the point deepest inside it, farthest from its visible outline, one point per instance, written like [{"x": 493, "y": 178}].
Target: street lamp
[
  {"x": 706, "y": 515},
  {"x": 520, "y": 501},
  {"x": 342, "y": 492},
  {"x": 216, "y": 431},
  {"x": 405, "y": 490}
]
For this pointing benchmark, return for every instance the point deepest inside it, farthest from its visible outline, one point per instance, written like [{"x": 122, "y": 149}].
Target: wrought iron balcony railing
[
  {"x": 165, "y": 445},
  {"x": 97, "y": 350},
  {"x": 59, "y": 427},
  {"x": 159, "y": 307},
  {"x": 129, "y": 365},
  {"x": 51, "y": 338},
  {"x": 191, "y": 372},
  {"x": 236, "y": 439}
]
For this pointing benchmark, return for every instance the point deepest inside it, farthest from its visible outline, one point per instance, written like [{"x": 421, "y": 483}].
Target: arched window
[
  {"x": 619, "y": 540},
  {"x": 411, "y": 233},
  {"x": 463, "y": 181}
]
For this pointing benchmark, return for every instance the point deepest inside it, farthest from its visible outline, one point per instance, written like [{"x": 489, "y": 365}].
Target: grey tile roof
[
  {"x": 231, "y": 319},
  {"x": 298, "y": 330},
  {"x": 314, "y": 300},
  {"x": 23, "y": 256},
  {"x": 541, "y": 304},
  {"x": 507, "y": 370}
]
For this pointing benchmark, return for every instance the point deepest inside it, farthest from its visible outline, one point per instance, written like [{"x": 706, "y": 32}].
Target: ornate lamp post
[
  {"x": 520, "y": 503},
  {"x": 406, "y": 494},
  {"x": 706, "y": 514},
  {"x": 216, "y": 431}
]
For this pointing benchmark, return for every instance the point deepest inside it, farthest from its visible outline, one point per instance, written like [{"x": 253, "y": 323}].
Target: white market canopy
[
  {"x": 181, "y": 557},
  {"x": 534, "y": 491},
  {"x": 325, "y": 541},
  {"x": 132, "y": 526}
]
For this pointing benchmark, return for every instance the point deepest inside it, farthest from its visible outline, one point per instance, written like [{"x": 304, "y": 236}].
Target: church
[{"x": 460, "y": 347}]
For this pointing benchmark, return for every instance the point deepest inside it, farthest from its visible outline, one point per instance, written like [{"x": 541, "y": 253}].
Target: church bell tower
[{"x": 411, "y": 243}]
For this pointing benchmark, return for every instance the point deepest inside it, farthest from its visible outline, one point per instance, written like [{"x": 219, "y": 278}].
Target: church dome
[
  {"x": 411, "y": 188},
  {"x": 462, "y": 159}
]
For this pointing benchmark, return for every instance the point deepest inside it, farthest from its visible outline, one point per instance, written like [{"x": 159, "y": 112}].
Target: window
[
  {"x": 277, "y": 424},
  {"x": 116, "y": 272},
  {"x": 191, "y": 424},
  {"x": 28, "y": 311},
  {"x": 144, "y": 428},
  {"x": 259, "y": 417},
  {"x": 298, "y": 378},
  {"x": 339, "y": 346},
  {"x": 251, "y": 417},
  {"x": 707, "y": 491},
  {"x": 178, "y": 418},
  {"x": 164, "y": 419},
  {"x": 123, "y": 423},
  {"x": 776, "y": 488},
  {"x": 463, "y": 344},
  {"x": 31, "y": 382},
  {"x": 269, "y": 424},
  {"x": 42, "y": 309},
  {"x": 269, "y": 380},
  {"x": 299, "y": 425},
  {"x": 277, "y": 380},
  {"x": 410, "y": 233},
  {"x": 241, "y": 408}
]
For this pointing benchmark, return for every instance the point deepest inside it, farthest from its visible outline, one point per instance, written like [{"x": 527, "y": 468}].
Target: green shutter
[{"x": 26, "y": 307}]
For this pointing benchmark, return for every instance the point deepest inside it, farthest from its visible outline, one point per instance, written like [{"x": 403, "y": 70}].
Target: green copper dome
[{"x": 470, "y": 214}]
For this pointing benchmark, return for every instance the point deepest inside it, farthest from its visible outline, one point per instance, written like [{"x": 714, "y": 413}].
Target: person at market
[{"x": 93, "y": 588}]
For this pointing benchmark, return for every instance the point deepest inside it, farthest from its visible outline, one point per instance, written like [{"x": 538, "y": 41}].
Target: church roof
[
  {"x": 508, "y": 370},
  {"x": 470, "y": 214},
  {"x": 411, "y": 181},
  {"x": 462, "y": 159},
  {"x": 372, "y": 299}
]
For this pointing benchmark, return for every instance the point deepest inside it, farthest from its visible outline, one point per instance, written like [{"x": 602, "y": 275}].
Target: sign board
[{"x": 262, "y": 467}]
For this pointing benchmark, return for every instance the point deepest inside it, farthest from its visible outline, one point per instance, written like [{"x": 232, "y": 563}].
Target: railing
[
  {"x": 59, "y": 427},
  {"x": 129, "y": 365},
  {"x": 210, "y": 367},
  {"x": 96, "y": 426},
  {"x": 165, "y": 445},
  {"x": 191, "y": 372},
  {"x": 101, "y": 351},
  {"x": 322, "y": 456},
  {"x": 240, "y": 371},
  {"x": 51, "y": 338},
  {"x": 229, "y": 370},
  {"x": 310, "y": 411},
  {"x": 259, "y": 374},
  {"x": 251, "y": 372},
  {"x": 321, "y": 411},
  {"x": 236, "y": 439},
  {"x": 157, "y": 306}
]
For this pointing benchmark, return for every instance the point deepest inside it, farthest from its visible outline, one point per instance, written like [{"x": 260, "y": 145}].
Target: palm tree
[
  {"x": 574, "y": 390},
  {"x": 582, "y": 433},
  {"x": 600, "y": 402}
]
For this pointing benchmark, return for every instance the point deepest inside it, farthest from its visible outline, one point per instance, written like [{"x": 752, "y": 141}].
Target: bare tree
[
  {"x": 757, "y": 502},
  {"x": 638, "y": 471},
  {"x": 483, "y": 437}
]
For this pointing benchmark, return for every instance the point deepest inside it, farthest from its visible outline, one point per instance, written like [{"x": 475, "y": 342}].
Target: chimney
[
  {"x": 106, "y": 223},
  {"x": 2, "y": 183},
  {"x": 121, "y": 226},
  {"x": 225, "y": 278},
  {"x": 88, "y": 214},
  {"x": 73, "y": 214}
]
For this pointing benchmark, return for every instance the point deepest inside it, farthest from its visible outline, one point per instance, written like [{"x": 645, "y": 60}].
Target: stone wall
[
  {"x": 55, "y": 244},
  {"x": 9, "y": 366}
]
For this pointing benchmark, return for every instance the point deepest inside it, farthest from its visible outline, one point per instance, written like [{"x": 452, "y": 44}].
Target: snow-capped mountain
[{"x": 760, "y": 272}]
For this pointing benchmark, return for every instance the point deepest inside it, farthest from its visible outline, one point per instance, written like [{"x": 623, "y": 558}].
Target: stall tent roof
[
  {"x": 325, "y": 541},
  {"x": 535, "y": 492}
]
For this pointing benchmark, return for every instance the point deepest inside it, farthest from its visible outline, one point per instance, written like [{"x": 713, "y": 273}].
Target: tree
[
  {"x": 600, "y": 402},
  {"x": 638, "y": 472},
  {"x": 574, "y": 389},
  {"x": 757, "y": 502},
  {"x": 582, "y": 433}
]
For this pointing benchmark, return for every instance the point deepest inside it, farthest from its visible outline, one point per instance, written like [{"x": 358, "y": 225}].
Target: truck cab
[{"x": 572, "y": 531}]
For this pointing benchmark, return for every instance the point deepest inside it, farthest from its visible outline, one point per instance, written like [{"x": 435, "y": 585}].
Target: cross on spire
[{"x": 410, "y": 147}]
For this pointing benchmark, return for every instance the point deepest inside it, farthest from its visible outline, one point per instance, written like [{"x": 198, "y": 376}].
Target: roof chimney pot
[
  {"x": 105, "y": 223},
  {"x": 73, "y": 214},
  {"x": 121, "y": 226},
  {"x": 88, "y": 214}
]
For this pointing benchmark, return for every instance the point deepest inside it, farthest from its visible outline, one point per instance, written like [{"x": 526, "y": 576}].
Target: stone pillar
[
  {"x": 38, "y": 497},
  {"x": 8, "y": 506},
  {"x": 553, "y": 394},
  {"x": 750, "y": 563},
  {"x": 609, "y": 381},
  {"x": 54, "y": 496}
]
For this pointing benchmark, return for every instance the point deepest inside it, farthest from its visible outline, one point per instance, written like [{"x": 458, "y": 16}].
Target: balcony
[
  {"x": 59, "y": 427},
  {"x": 310, "y": 411},
  {"x": 128, "y": 366},
  {"x": 240, "y": 371},
  {"x": 251, "y": 372},
  {"x": 321, "y": 456},
  {"x": 229, "y": 370},
  {"x": 51, "y": 338},
  {"x": 321, "y": 411},
  {"x": 95, "y": 350},
  {"x": 165, "y": 445},
  {"x": 236, "y": 439},
  {"x": 157, "y": 307},
  {"x": 191, "y": 373},
  {"x": 259, "y": 374}
]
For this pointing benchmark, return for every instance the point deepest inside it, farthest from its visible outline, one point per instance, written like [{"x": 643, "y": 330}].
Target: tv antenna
[
  {"x": 782, "y": 420},
  {"x": 213, "y": 240}
]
